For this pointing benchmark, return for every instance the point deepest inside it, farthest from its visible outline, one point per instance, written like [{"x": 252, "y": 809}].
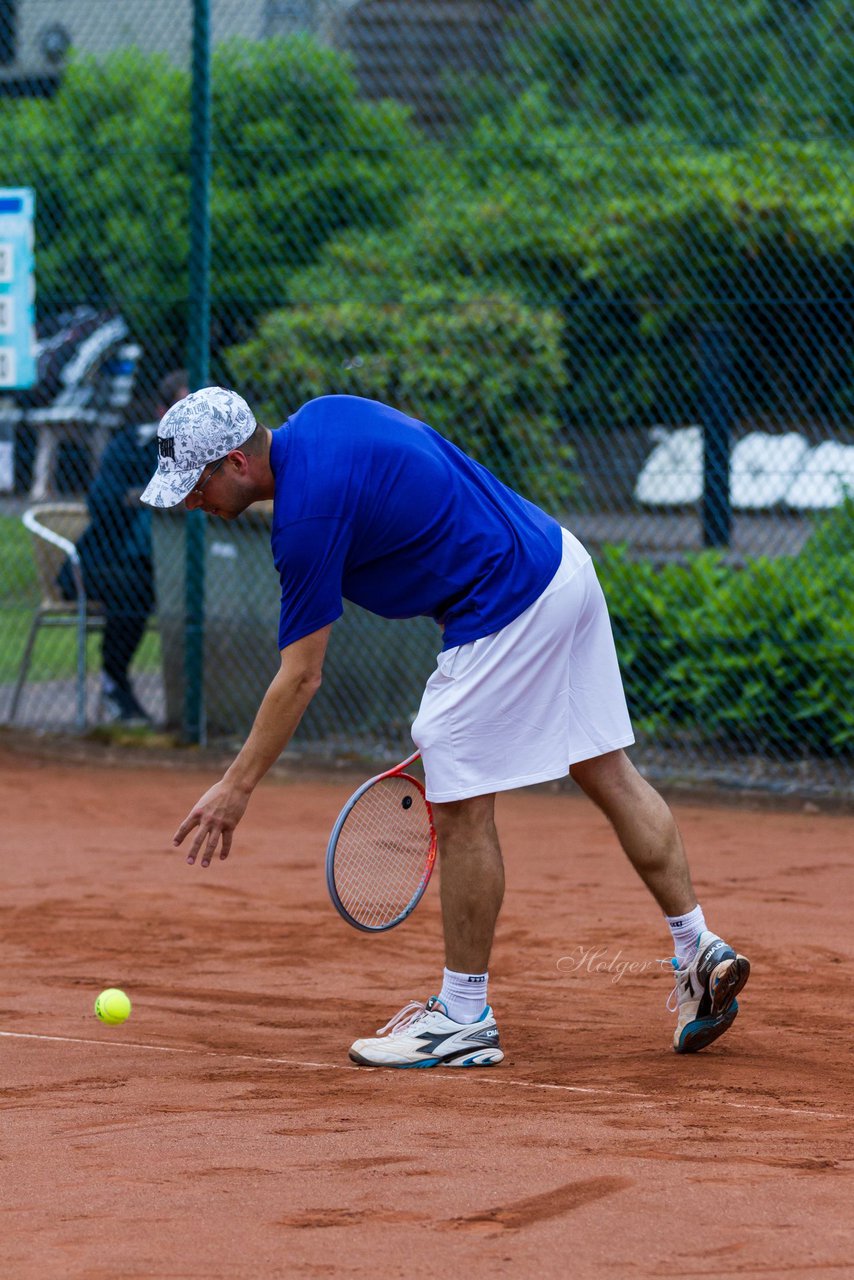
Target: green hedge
[
  {"x": 487, "y": 372},
  {"x": 760, "y": 657}
]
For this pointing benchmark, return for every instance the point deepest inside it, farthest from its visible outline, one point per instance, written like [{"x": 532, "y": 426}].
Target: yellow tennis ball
[{"x": 112, "y": 1006}]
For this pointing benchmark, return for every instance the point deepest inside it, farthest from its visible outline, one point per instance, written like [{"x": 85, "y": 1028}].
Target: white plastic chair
[{"x": 55, "y": 527}]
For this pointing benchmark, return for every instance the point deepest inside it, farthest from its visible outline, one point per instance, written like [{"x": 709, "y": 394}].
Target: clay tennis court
[{"x": 222, "y": 1131}]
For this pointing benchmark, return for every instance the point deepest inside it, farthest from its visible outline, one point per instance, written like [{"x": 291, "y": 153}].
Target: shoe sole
[
  {"x": 476, "y": 1058},
  {"x": 702, "y": 1032},
  {"x": 729, "y": 985}
]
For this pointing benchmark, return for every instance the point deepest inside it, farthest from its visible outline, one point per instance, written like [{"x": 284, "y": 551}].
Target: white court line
[{"x": 497, "y": 1078}]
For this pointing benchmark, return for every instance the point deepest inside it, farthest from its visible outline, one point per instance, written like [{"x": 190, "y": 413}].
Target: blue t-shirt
[{"x": 375, "y": 507}]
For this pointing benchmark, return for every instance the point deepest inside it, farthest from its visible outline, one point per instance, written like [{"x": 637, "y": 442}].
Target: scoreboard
[{"x": 17, "y": 289}]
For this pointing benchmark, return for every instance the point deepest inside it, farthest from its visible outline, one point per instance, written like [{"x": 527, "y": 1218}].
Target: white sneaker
[
  {"x": 422, "y": 1035},
  {"x": 705, "y": 993}
]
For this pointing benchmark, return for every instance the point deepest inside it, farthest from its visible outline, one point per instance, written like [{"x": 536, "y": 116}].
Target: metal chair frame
[{"x": 53, "y": 610}]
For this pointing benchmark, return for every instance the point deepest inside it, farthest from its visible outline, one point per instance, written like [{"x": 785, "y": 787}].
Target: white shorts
[{"x": 524, "y": 704}]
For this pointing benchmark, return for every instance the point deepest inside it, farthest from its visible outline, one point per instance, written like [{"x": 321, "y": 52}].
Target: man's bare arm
[{"x": 220, "y": 809}]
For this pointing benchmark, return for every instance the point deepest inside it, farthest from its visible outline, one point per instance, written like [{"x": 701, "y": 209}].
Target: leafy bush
[
  {"x": 297, "y": 156},
  {"x": 485, "y": 371},
  {"x": 639, "y": 240},
  {"x": 758, "y": 657}
]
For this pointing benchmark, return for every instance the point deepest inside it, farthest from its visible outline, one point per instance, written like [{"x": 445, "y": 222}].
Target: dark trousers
[{"x": 126, "y": 593}]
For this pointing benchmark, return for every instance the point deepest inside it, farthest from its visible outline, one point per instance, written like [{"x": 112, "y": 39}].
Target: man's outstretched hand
[{"x": 216, "y": 815}]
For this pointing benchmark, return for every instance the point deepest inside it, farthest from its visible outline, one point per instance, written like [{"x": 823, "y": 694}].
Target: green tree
[
  {"x": 297, "y": 157},
  {"x": 638, "y": 243},
  {"x": 712, "y": 70}
]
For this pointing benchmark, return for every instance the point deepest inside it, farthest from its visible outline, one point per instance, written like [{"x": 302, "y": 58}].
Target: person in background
[{"x": 115, "y": 551}]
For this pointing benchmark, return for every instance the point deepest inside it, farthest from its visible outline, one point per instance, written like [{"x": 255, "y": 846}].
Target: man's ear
[{"x": 239, "y": 460}]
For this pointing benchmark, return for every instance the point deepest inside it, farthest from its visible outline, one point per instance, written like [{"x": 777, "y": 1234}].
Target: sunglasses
[{"x": 200, "y": 488}]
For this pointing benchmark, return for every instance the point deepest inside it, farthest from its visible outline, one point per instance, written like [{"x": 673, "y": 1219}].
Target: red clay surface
[{"x": 222, "y": 1132}]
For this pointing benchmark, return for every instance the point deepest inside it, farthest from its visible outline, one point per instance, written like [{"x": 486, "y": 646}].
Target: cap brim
[{"x": 170, "y": 488}]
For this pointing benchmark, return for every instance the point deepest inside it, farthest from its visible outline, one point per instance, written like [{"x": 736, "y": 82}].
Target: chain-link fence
[{"x": 608, "y": 249}]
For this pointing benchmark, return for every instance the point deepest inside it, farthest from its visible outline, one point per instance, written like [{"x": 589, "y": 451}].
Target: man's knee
[
  {"x": 605, "y": 774},
  {"x": 462, "y": 819}
]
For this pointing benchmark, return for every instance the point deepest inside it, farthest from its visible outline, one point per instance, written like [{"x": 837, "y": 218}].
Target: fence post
[
  {"x": 197, "y": 361},
  {"x": 716, "y": 417}
]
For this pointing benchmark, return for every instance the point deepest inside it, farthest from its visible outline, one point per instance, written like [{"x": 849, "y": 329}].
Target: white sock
[
  {"x": 464, "y": 995},
  {"x": 686, "y": 932}
]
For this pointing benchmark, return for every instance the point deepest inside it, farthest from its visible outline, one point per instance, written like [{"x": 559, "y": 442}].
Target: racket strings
[{"x": 381, "y": 855}]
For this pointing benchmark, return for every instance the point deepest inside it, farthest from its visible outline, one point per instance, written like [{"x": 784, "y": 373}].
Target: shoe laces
[
  {"x": 672, "y": 1004},
  {"x": 404, "y": 1018}
]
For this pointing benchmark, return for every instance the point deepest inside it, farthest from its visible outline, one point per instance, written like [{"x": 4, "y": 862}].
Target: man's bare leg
[
  {"x": 472, "y": 888},
  {"x": 472, "y": 880},
  {"x": 644, "y": 825},
  {"x": 710, "y": 973}
]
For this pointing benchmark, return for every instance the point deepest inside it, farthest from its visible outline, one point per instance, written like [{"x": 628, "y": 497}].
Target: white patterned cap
[{"x": 201, "y": 428}]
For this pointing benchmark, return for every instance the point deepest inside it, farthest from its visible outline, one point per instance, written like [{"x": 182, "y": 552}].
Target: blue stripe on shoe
[{"x": 707, "y": 1024}]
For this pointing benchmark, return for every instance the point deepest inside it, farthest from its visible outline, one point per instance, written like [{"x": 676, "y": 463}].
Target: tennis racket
[{"x": 381, "y": 852}]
